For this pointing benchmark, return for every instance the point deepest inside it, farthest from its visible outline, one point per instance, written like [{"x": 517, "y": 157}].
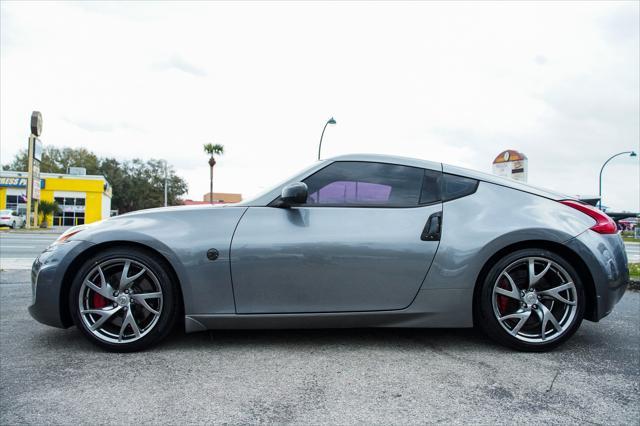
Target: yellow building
[{"x": 81, "y": 198}]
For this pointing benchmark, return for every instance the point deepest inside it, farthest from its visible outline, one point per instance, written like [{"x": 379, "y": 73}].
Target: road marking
[
  {"x": 19, "y": 247},
  {"x": 15, "y": 263}
]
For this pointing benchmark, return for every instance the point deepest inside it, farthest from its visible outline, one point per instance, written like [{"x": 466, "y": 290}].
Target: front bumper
[
  {"x": 48, "y": 283},
  {"x": 606, "y": 259}
]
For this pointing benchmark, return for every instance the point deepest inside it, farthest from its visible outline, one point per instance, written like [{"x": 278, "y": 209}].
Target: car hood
[
  {"x": 172, "y": 210},
  {"x": 164, "y": 220}
]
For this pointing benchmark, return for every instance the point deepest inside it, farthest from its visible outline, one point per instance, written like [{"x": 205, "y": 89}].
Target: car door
[{"x": 364, "y": 241}]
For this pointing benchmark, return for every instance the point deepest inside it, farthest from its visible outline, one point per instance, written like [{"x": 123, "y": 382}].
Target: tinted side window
[
  {"x": 431, "y": 187},
  {"x": 457, "y": 186},
  {"x": 362, "y": 183}
]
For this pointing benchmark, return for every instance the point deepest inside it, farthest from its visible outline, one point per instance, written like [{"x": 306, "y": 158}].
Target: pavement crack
[{"x": 553, "y": 380}]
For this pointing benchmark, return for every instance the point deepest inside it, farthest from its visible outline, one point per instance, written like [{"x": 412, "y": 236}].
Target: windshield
[{"x": 272, "y": 192}]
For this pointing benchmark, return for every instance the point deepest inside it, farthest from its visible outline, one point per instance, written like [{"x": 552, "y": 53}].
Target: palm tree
[
  {"x": 47, "y": 208},
  {"x": 212, "y": 149}
]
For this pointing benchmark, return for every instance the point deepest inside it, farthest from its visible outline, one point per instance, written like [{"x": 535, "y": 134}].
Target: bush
[{"x": 634, "y": 270}]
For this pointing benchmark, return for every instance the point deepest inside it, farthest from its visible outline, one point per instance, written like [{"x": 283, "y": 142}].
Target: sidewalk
[{"x": 53, "y": 230}]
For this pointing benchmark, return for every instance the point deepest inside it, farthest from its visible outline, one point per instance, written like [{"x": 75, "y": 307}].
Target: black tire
[
  {"x": 486, "y": 316},
  {"x": 13, "y": 225},
  {"x": 170, "y": 295}
]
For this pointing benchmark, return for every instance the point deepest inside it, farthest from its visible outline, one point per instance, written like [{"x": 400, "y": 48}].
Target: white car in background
[{"x": 11, "y": 219}]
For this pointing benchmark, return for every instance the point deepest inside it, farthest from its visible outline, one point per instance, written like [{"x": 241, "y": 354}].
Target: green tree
[
  {"x": 56, "y": 160},
  {"x": 212, "y": 149},
  {"x": 142, "y": 185},
  {"x": 136, "y": 184}
]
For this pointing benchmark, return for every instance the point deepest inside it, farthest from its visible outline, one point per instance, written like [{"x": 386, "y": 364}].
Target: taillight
[
  {"x": 5, "y": 217},
  {"x": 604, "y": 224}
]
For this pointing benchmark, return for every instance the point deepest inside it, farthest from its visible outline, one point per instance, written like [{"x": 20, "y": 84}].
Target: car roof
[
  {"x": 392, "y": 159},
  {"x": 455, "y": 170},
  {"x": 272, "y": 193}
]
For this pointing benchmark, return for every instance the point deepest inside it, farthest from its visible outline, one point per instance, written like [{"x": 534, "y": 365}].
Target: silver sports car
[{"x": 353, "y": 241}]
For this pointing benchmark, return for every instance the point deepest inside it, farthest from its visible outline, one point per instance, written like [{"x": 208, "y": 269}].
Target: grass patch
[
  {"x": 634, "y": 271},
  {"x": 630, "y": 240}
]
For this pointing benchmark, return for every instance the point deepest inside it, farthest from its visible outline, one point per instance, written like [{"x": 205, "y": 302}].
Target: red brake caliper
[
  {"x": 98, "y": 301},
  {"x": 503, "y": 300}
]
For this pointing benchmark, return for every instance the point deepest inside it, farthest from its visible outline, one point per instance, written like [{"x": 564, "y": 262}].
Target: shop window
[
  {"x": 17, "y": 203},
  {"x": 71, "y": 212}
]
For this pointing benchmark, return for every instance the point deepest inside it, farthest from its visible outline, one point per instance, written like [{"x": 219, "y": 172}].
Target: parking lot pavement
[{"x": 379, "y": 376}]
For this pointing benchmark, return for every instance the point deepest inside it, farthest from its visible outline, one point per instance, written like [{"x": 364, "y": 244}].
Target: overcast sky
[{"x": 453, "y": 82}]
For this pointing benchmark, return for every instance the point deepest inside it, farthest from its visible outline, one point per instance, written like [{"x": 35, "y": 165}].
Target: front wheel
[
  {"x": 124, "y": 300},
  {"x": 531, "y": 300}
]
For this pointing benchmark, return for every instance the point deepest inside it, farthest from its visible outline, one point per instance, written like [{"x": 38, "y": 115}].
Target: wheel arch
[
  {"x": 76, "y": 264},
  {"x": 561, "y": 250}
]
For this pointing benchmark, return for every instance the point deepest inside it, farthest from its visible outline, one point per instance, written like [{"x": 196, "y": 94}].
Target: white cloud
[{"x": 452, "y": 82}]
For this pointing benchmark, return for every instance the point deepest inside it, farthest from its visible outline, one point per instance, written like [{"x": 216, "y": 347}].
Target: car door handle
[{"x": 433, "y": 228}]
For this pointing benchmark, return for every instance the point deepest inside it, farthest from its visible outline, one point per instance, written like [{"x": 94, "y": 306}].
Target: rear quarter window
[{"x": 454, "y": 186}]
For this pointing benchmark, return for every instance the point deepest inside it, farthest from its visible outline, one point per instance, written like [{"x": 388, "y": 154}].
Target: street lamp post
[
  {"x": 329, "y": 121},
  {"x": 631, "y": 154}
]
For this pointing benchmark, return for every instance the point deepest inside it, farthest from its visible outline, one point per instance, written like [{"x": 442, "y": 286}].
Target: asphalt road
[
  {"x": 49, "y": 375},
  {"x": 633, "y": 252},
  {"x": 19, "y": 249}
]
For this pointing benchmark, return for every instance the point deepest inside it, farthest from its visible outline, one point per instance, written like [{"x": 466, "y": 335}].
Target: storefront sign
[
  {"x": 13, "y": 181},
  {"x": 37, "y": 149},
  {"x": 68, "y": 209},
  {"x": 512, "y": 165},
  {"x": 36, "y": 123},
  {"x": 36, "y": 180},
  {"x": 33, "y": 160}
]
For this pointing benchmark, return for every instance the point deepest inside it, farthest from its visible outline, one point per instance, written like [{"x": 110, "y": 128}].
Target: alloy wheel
[
  {"x": 535, "y": 299},
  {"x": 120, "y": 300}
]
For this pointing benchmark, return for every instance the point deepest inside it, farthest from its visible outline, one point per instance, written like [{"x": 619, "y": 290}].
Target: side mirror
[{"x": 294, "y": 193}]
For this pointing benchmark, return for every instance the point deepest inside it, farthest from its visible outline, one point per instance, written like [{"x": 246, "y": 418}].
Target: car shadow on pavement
[
  {"x": 310, "y": 339},
  {"x": 290, "y": 339},
  {"x": 450, "y": 342}
]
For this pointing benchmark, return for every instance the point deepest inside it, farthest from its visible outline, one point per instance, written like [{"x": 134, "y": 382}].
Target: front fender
[{"x": 182, "y": 238}]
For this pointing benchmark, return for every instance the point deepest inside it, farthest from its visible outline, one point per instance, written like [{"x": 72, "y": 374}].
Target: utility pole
[{"x": 165, "y": 183}]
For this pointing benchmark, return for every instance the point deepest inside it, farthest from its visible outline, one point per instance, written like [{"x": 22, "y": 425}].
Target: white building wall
[{"x": 106, "y": 206}]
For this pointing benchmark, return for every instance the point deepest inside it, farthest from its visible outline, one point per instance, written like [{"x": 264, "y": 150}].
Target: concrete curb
[{"x": 48, "y": 231}]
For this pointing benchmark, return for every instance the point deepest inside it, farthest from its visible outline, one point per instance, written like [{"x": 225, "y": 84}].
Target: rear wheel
[
  {"x": 13, "y": 225},
  {"x": 124, "y": 300},
  {"x": 531, "y": 300}
]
